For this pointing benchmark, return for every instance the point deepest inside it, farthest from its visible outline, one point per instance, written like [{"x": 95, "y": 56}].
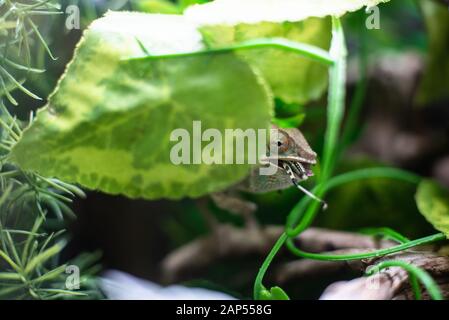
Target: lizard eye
[{"x": 281, "y": 142}]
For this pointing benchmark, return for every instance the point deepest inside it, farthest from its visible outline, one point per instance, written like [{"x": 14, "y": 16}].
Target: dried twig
[{"x": 391, "y": 283}]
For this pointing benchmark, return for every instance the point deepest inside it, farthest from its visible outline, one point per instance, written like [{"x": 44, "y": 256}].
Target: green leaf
[
  {"x": 43, "y": 257},
  {"x": 275, "y": 293},
  {"x": 434, "y": 85},
  {"x": 264, "y": 294},
  {"x": 234, "y": 12},
  {"x": 278, "y": 294},
  {"x": 9, "y": 276},
  {"x": 292, "y": 78},
  {"x": 433, "y": 203},
  {"x": 107, "y": 125}
]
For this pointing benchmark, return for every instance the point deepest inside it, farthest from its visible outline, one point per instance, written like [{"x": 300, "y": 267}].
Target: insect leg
[{"x": 289, "y": 171}]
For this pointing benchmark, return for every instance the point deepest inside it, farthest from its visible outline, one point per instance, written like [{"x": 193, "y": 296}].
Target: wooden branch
[
  {"x": 298, "y": 270},
  {"x": 391, "y": 283},
  {"x": 228, "y": 241},
  {"x": 346, "y": 243}
]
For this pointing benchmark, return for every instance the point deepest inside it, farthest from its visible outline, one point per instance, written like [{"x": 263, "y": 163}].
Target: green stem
[
  {"x": 414, "y": 271},
  {"x": 359, "y": 96},
  {"x": 258, "y": 286},
  {"x": 305, "y": 50},
  {"x": 386, "y": 233},
  {"x": 10, "y": 261},
  {"x": 335, "y": 112},
  {"x": 336, "y": 58},
  {"x": 296, "y": 215},
  {"x": 365, "y": 255},
  {"x": 307, "y": 218},
  {"x": 414, "y": 283},
  {"x": 336, "y": 99},
  {"x": 371, "y": 173}
]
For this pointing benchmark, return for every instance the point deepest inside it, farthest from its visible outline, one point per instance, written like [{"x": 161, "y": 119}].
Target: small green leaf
[
  {"x": 41, "y": 258},
  {"x": 433, "y": 203},
  {"x": 278, "y": 293},
  {"x": 10, "y": 276},
  {"x": 275, "y": 293},
  {"x": 264, "y": 294}
]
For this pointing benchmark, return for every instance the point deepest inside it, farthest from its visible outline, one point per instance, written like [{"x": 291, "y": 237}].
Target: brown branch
[
  {"x": 228, "y": 241},
  {"x": 306, "y": 269},
  {"x": 345, "y": 243},
  {"x": 391, "y": 283}
]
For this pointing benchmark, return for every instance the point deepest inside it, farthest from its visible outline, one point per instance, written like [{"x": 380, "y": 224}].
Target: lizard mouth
[
  {"x": 301, "y": 170},
  {"x": 289, "y": 159},
  {"x": 301, "y": 167}
]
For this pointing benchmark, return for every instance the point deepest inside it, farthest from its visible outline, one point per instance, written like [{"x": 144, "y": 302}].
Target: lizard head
[
  {"x": 293, "y": 152},
  {"x": 289, "y": 152}
]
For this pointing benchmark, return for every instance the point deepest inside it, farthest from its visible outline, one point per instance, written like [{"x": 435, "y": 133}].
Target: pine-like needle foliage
[
  {"x": 32, "y": 208},
  {"x": 18, "y": 33}
]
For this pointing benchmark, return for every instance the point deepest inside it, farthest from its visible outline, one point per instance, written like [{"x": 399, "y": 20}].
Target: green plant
[
  {"x": 129, "y": 86},
  {"x": 303, "y": 214},
  {"x": 32, "y": 207},
  {"x": 18, "y": 31},
  {"x": 415, "y": 274},
  {"x": 29, "y": 246}
]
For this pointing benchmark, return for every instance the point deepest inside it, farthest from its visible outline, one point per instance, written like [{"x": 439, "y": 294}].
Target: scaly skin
[{"x": 294, "y": 160}]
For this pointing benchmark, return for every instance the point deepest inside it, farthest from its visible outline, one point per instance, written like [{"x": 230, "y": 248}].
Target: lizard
[{"x": 294, "y": 160}]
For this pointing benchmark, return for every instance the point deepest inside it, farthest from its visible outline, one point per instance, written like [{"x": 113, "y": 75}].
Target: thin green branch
[
  {"x": 26, "y": 7},
  {"x": 305, "y": 50},
  {"x": 19, "y": 85},
  {"x": 6, "y": 127},
  {"x": 42, "y": 257},
  {"x": 337, "y": 83},
  {"x": 335, "y": 112},
  {"x": 9, "y": 276},
  {"x": 25, "y": 252},
  {"x": 10, "y": 262},
  {"x": 41, "y": 38},
  {"x": 359, "y": 95},
  {"x": 12, "y": 248},
  {"x": 420, "y": 274},
  {"x": 297, "y": 213},
  {"x": 336, "y": 99},
  {"x": 414, "y": 283},
  {"x": 371, "y": 254},
  {"x": 6, "y": 92},
  {"x": 258, "y": 286},
  {"x": 386, "y": 233},
  {"x": 21, "y": 67}
]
